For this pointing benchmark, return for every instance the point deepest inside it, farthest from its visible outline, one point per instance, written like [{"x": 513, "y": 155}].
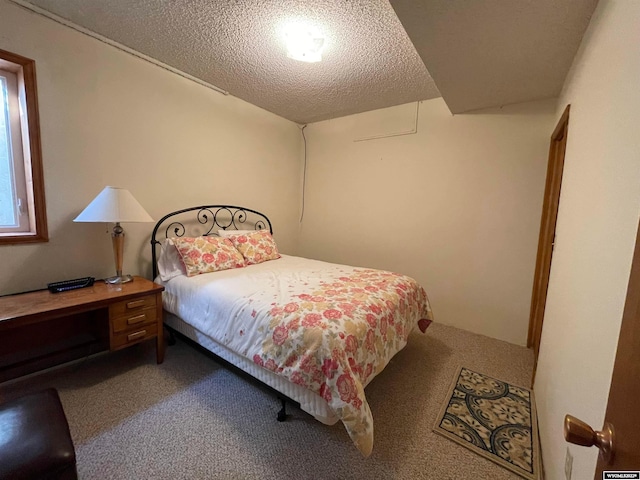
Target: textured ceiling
[
  {"x": 368, "y": 60},
  {"x": 496, "y": 52},
  {"x": 481, "y": 53}
]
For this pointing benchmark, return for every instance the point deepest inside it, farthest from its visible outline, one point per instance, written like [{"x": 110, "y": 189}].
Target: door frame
[{"x": 546, "y": 239}]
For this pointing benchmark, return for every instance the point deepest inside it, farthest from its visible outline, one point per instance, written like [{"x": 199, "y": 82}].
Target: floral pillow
[
  {"x": 256, "y": 247},
  {"x": 207, "y": 254},
  {"x": 231, "y": 233}
]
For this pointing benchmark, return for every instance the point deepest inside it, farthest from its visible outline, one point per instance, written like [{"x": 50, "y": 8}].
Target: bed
[{"x": 315, "y": 332}]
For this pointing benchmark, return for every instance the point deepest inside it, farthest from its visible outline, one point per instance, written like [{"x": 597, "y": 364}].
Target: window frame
[{"x": 32, "y": 152}]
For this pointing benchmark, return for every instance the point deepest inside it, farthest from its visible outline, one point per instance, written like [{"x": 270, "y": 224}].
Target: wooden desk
[{"x": 41, "y": 329}]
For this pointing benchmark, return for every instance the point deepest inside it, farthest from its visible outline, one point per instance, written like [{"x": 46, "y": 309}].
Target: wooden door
[
  {"x": 622, "y": 408},
  {"x": 546, "y": 239}
]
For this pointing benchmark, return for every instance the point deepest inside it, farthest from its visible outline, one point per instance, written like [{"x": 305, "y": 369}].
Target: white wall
[
  {"x": 596, "y": 232},
  {"x": 108, "y": 118},
  {"x": 456, "y": 206}
]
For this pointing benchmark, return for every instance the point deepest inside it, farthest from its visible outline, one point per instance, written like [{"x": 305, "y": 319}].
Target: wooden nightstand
[
  {"x": 135, "y": 319},
  {"x": 41, "y": 329}
]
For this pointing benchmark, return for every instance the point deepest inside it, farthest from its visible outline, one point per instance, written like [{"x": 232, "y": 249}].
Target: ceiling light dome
[{"x": 304, "y": 43}]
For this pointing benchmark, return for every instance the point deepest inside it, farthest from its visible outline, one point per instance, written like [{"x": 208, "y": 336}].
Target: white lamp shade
[{"x": 114, "y": 205}]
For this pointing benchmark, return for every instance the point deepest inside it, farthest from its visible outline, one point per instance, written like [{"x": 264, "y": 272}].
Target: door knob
[{"x": 579, "y": 433}]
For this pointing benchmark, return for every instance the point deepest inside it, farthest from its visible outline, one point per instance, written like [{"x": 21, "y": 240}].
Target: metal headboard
[{"x": 209, "y": 218}]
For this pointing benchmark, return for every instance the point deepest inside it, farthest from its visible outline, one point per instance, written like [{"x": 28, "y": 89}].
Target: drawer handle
[
  {"x": 136, "y": 335},
  {"x": 135, "y": 303},
  {"x": 136, "y": 319}
]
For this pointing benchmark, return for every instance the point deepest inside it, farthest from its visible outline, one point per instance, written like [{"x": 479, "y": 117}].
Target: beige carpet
[{"x": 192, "y": 419}]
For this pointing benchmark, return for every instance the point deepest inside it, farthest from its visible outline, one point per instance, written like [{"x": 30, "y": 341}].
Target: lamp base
[{"x": 119, "y": 279}]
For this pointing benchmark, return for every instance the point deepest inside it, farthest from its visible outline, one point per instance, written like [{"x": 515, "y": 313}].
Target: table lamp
[{"x": 115, "y": 205}]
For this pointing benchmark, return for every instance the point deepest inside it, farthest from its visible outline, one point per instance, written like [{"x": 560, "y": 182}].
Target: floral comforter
[{"x": 330, "y": 328}]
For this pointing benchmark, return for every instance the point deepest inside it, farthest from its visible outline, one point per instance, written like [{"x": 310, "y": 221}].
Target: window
[{"x": 22, "y": 206}]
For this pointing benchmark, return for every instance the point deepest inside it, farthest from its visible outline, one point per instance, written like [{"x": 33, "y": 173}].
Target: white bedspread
[{"x": 328, "y": 327}]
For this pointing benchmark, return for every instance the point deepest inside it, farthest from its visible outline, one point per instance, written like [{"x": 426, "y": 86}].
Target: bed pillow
[
  {"x": 207, "y": 254},
  {"x": 256, "y": 247},
  {"x": 169, "y": 262},
  {"x": 231, "y": 233}
]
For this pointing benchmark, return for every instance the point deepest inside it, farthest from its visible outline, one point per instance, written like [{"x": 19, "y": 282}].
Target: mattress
[{"x": 309, "y": 401}]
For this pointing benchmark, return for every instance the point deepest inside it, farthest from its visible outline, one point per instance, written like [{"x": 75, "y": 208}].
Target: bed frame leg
[
  {"x": 282, "y": 414},
  {"x": 172, "y": 337}
]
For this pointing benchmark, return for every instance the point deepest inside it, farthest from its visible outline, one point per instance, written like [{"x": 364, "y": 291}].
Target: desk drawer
[
  {"x": 134, "y": 336},
  {"x": 134, "y": 320},
  {"x": 135, "y": 304}
]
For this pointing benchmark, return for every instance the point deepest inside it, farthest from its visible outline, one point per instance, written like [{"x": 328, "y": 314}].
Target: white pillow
[
  {"x": 231, "y": 233},
  {"x": 169, "y": 263}
]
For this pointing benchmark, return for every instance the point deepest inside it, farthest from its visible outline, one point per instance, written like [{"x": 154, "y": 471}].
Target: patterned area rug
[{"x": 493, "y": 419}]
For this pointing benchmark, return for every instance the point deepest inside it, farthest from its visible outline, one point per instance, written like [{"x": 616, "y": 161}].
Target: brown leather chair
[{"x": 34, "y": 439}]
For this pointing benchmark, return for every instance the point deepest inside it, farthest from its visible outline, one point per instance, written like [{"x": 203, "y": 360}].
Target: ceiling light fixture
[{"x": 304, "y": 43}]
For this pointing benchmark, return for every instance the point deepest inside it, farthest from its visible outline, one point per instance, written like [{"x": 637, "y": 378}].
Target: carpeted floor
[{"x": 189, "y": 418}]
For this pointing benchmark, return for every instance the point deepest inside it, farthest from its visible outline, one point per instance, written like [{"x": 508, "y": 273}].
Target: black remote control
[{"x": 65, "y": 285}]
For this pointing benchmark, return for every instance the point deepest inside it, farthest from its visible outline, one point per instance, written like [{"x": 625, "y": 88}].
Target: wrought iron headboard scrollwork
[{"x": 209, "y": 219}]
